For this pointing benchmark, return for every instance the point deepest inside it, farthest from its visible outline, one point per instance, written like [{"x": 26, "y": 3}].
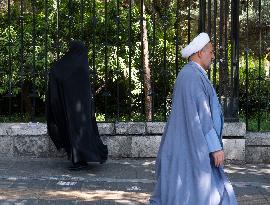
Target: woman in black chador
[{"x": 70, "y": 118}]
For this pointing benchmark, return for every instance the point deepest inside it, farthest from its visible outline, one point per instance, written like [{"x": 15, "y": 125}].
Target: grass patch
[
  {"x": 253, "y": 122},
  {"x": 21, "y": 118}
]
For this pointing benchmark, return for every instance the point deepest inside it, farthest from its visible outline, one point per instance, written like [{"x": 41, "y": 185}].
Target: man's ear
[{"x": 200, "y": 53}]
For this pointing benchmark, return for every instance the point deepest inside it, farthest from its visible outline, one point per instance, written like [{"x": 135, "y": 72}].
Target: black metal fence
[{"x": 134, "y": 54}]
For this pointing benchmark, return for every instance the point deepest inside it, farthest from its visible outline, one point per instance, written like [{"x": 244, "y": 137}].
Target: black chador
[{"x": 70, "y": 118}]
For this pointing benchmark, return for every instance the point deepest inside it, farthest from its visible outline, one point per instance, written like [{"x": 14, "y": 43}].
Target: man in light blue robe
[{"x": 189, "y": 165}]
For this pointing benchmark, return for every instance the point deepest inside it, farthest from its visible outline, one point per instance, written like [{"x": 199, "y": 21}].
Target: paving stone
[
  {"x": 118, "y": 146},
  {"x": 64, "y": 185},
  {"x": 145, "y": 146},
  {"x": 106, "y": 128},
  {"x": 36, "y": 181},
  {"x": 120, "y": 186},
  {"x": 5, "y": 184},
  {"x": 234, "y": 149},
  {"x": 53, "y": 152},
  {"x": 129, "y": 139},
  {"x": 235, "y": 129},
  {"x": 258, "y": 138},
  {"x": 252, "y": 200},
  {"x": 127, "y": 128},
  {"x": 55, "y": 202},
  {"x": 155, "y": 128},
  {"x": 19, "y": 202},
  {"x": 4, "y": 129},
  {"x": 27, "y": 129},
  {"x": 31, "y": 146},
  {"x": 256, "y": 154},
  {"x": 6, "y": 146}
]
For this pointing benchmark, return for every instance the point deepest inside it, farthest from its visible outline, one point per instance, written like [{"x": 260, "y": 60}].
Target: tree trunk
[
  {"x": 267, "y": 65},
  {"x": 146, "y": 69}
]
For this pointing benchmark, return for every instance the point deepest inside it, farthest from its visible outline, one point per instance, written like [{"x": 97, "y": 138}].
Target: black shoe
[{"x": 78, "y": 166}]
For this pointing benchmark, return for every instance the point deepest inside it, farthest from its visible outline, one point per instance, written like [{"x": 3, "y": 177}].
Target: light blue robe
[{"x": 185, "y": 171}]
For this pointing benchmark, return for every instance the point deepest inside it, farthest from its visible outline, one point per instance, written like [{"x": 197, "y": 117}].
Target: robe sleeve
[
  {"x": 213, "y": 141},
  {"x": 205, "y": 117}
]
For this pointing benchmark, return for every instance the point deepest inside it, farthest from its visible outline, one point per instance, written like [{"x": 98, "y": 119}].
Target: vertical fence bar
[
  {"x": 129, "y": 60},
  {"x": 117, "y": 60},
  {"x": 106, "y": 59},
  {"x": 234, "y": 104},
  {"x": 9, "y": 62},
  {"x": 226, "y": 10},
  {"x": 260, "y": 65},
  {"x": 70, "y": 20},
  {"x": 202, "y": 16},
  {"x": 141, "y": 70},
  {"x": 247, "y": 67},
  {"x": 215, "y": 45},
  {"x": 153, "y": 94},
  {"x": 233, "y": 61},
  {"x": 33, "y": 71},
  {"x": 46, "y": 38},
  {"x": 177, "y": 39},
  {"x": 209, "y": 24},
  {"x": 46, "y": 44},
  {"x": 94, "y": 22},
  {"x": 57, "y": 29},
  {"x": 189, "y": 19},
  {"x": 46, "y": 73},
  {"x": 165, "y": 73},
  {"x": 21, "y": 54},
  {"x": 236, "y": 79},
  {"x": 221, "y": 49},
  {"x": 209, "y": 18},
  {"x": 81, "y": 19},
  {"x": 228, "y": 95}
]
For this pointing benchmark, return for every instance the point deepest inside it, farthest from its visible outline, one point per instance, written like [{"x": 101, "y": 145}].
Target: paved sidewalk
[{"x": 120, "y": 182}]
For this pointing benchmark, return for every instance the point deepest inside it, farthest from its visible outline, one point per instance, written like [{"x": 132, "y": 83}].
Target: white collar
[{"x": 204, "y": 71}]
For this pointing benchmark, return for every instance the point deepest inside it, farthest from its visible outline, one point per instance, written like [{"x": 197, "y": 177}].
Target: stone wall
[
  {"x": 129, "y": 139},
  {"x": 258, "y": 147}
]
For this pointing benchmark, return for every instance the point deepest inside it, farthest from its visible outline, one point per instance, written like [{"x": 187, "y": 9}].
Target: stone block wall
[
  {"x": 258, "y": 147},
  {"x": 130, "y": 139}
]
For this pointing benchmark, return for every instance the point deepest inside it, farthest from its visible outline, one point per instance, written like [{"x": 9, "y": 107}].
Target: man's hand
[{"x": 218, "y": 157}]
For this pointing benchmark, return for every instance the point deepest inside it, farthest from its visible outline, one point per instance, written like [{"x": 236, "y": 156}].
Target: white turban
[{"x": 195, "y": 45}]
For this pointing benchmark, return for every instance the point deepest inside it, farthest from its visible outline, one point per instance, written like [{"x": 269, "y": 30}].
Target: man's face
[{"x": 207, "y": 55}]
